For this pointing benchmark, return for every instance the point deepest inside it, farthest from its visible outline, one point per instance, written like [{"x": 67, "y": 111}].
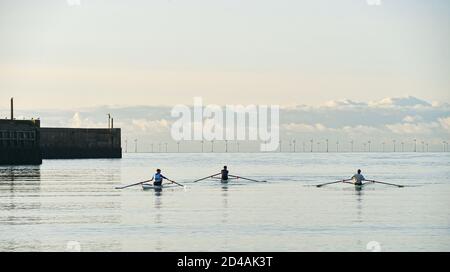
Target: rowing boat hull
[{"x": 157, "y": 187}]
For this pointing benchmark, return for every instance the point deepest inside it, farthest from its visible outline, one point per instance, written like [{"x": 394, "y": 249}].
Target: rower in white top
[{"x": 358, "y": 178}]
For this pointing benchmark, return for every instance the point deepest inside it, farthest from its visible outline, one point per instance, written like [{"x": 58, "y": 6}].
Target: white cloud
[
  {"x": 76, "y": 120},
  {"x": 79, "y": 122},
  {"x": 151, "y": 125},
  {"x": 445, "y": 123},
  {"x": 294, "y": 127},
  {"x": 412, "y": 119},
  {"x": 343, "y": 103},
  {"x": 409, "y": 128},
  {"x": 361, "y": 130},
  {"x": 406, "y": 101},
  {"x": 342, "y": 120}
]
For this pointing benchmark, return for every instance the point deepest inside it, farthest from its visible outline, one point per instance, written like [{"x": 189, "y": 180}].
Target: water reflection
[
  {"x": 225, "y": 209},
  {"x": 158, "y": 217},
  {"x": 359, "y": 192},
  {"x": 17, "y": 184},
  {"x": 16, "y": 176},
  {"x": 225, "y": 212},
  {"x": 14, "y": 182}
]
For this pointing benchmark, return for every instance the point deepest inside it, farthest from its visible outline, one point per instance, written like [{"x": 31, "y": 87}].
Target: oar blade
[{"x": 386, "y": 183}]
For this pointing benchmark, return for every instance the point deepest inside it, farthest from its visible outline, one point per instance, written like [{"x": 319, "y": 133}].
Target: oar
[
  {"x": 320, "y": 185},
  {"x": 176, "y": 183},
  {"x": 134, "y": 184},
  {"x": 400, "y": 186},
  {"x": 238, "y": 177},
  {"x": 206, "y": 177}
]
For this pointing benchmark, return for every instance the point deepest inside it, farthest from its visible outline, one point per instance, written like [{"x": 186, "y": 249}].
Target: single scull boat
[{"x": 158, "y": 187}]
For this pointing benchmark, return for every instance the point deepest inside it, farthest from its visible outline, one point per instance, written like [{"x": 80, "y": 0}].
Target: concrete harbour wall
[{"x": 80, "y": 143}]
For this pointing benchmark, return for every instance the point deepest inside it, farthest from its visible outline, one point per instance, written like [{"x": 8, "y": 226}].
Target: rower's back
[
  {"x": 224, "y": 173},
  {"x": 358, "y": 178}
]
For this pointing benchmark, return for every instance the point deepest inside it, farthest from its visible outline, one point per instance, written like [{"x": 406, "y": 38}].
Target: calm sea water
[{"x": 67, "y": 202}]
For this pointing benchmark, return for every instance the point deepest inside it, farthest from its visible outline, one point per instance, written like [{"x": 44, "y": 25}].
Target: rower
[
  {"x": 158, "y": 178},
  {"x": 224, "y": 173},
  {"x": 358, "y": 178}
]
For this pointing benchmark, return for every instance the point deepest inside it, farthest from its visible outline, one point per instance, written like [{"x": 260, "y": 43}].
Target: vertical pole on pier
[
  {"x": 12, "y": 108},
  {"x": 112, "y": 122}
]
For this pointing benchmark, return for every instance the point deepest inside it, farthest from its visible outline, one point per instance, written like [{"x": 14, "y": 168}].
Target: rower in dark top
[
  {"x": 224, "y": 173},
  {"x": 158, "y": 178}
]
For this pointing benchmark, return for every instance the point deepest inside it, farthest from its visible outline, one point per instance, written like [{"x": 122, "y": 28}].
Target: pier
[
  {"x": 19, "y": 142},
  {"x": 80, "y": 143},
  {"x": 25, "y": 142}
]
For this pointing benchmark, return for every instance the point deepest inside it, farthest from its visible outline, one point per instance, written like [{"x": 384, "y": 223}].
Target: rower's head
[
  {"x": 225, "y": 167},
  {"x": 158, "y": 170},
  {"x": 359, "y": 171}
]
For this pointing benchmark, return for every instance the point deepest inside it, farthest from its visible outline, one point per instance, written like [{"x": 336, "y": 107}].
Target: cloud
[
  {"x": 445, "y": 123},
  {"x": 151, "y": 125},
  {"x": 407, "y": 101},
  {"x": 78, "y": 122},
  {"x": 344, "y": 103},
  {"x": 343, "y": 119},
  {"x": 301, "y": 127},
  {"x": 408, "y": 128},
  {"x": 412, "y": 119}
]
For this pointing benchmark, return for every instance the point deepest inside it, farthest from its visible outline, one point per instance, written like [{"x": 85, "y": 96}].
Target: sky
[
  {"x": 340, "y": 70},
  {"x": 56, "y": 54}
]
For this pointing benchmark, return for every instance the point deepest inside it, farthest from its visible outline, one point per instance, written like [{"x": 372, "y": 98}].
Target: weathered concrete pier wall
[
  {"x": 25, "y": 142},
  {"x": 19, "y": 142},
  {"x": 80, "y": 143}
]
